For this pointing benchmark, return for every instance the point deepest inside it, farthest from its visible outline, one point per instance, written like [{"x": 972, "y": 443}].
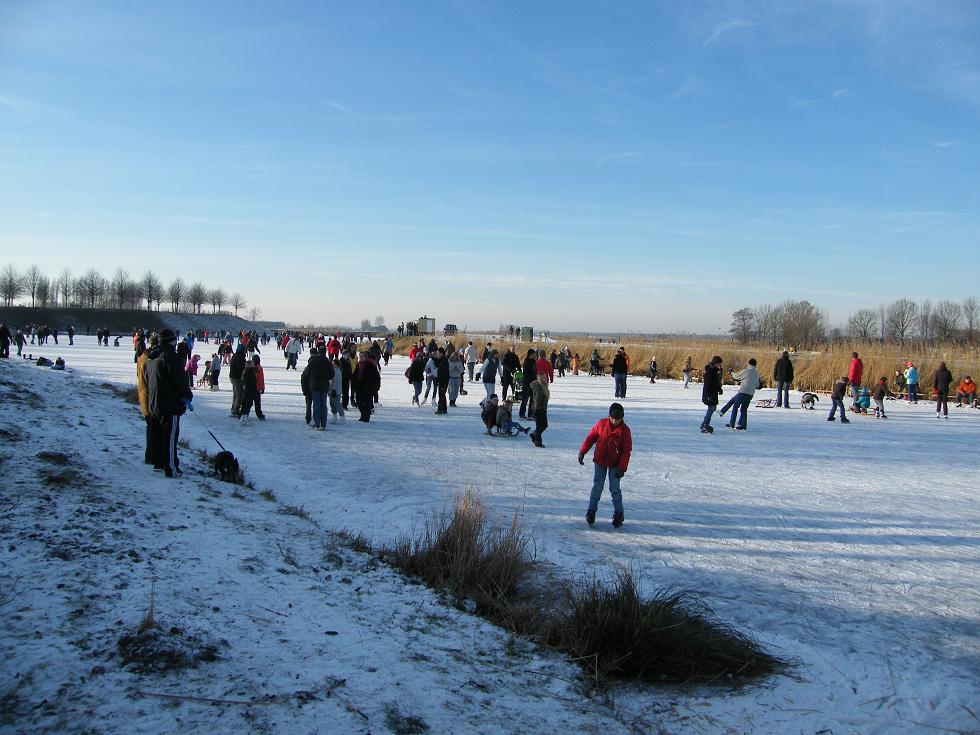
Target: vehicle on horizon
[{"x": 449, "y": 330}]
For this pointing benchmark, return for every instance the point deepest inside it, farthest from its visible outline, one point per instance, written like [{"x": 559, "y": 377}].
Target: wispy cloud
[
  {"x": 619, "y": 156},
  {"x": 944, "y": 143},
  {"x": 837, "y": 94},
  {"x": 726, "y": 27},
  {"x": 338, "y": 106}
]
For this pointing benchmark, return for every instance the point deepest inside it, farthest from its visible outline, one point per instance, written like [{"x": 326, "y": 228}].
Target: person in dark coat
[
  {"x": 620, "y": 366},
  {"x": 710, "y": 390},
  {"x": 368, "y": 384},
  {"x": 530, "y": 372},
  {"x": 5, "y": 339},
  {"x": 442, "y": 379},
  {"x": 236, "y": 366},
  {"x": 940, "y": 383},
  {"x": 416, "y": 375},
  {"x": 321, "y": 373},
  {"x": 304, "y": 384},
  {"x": 510, "y": 363},
  {"x": 168, "y": 397},
  {"x": 782, "y": 376},
  {"x": 252, "y": 389},
  {"x": 837, "y": 399}
]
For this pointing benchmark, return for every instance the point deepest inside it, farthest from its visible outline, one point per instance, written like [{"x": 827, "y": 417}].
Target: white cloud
[{"x": 726, "y": 27}]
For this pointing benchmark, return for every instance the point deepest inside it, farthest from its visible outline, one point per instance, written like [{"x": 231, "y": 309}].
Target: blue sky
[{"x": 573, "y": 165}]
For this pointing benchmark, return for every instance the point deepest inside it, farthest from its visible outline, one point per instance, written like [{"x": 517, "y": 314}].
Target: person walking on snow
[
  {"x": 542, "y": 394},
  {"x": 782, "y": 376},
  {"x": 470, "y": 354},
  {"x": 687, "y": 371},
  {"x": 940, "y": 383},
  {"x": 710, "y": 391},
  {"x": 613, "y": 443},
  {"x": 854, "y": 374},
  {"x": 620, "y": 366},
  {"x": 748, "y": 379},
  {"x": 837, "y": 400}
]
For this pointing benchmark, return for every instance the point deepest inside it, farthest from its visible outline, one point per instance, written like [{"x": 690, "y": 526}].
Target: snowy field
[{"x": 852, "y": 550}]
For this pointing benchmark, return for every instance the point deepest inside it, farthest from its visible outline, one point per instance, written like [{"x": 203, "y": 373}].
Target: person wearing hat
[
  {"x": 710, "y": 390},
  {"x": 152, "y": 451},
  {"x": 236, "y": 367},
  {"x": 613, "y": 443},
  {"x": 253, "y": 386},
  {"x": 168, "y": 397}
]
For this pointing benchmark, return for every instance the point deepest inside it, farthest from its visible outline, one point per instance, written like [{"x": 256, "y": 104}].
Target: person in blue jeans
[
  {"x": 710, "y": 392},
  {"x": 613, "y": 445},
  {"x": 837, "y": 400},
  {"x": 748, "y": 379}
]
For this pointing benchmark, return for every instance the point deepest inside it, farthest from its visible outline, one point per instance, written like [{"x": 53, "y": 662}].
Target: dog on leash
[
  {"x": 808, "y": 401},
  {"x": 226, "y": 466}
]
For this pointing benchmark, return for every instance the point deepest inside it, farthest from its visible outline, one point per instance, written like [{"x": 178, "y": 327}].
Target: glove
[
  {"x": 188, "y": 404},
  {"x": 619, "y": 472},
  {"x": 581, "y": 457}
]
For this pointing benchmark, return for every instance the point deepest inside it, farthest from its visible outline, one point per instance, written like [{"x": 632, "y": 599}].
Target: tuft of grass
[
  {"x": 609, "y": 628},
  {"x": 287, "y": 556},
  {"x": 149, "y": 620},
  {"x": 294, "y": 510},
  {"x": 356, "y": 541},
  {"x": 402, "y": 724},
  {"x": 268, "y": 495},
  {"x": 668, "y": 636},
  {"x": 466, "y": 554}
]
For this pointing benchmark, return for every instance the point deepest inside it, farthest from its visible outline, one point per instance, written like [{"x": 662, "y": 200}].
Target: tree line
[
  {"x": 802, "y": 324},
  {"x": 92, "y": 290}
]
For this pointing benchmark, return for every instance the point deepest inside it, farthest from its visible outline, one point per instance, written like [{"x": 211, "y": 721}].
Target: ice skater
[{"x": 613, "y": 445}]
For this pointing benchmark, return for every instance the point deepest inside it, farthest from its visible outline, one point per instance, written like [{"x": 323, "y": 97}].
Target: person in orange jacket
[
  {"x": 967, "y": 390},
  {"x": 613, "y": 444}
]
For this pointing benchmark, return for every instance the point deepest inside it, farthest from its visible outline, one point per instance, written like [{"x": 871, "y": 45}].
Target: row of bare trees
[
  {"x": 95, "y": 291},
  {"x": 902, "y": 321}
]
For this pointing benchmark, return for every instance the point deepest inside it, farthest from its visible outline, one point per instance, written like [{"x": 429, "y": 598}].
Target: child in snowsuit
[
  {"x": 505, "y": 420},
  {"x": 613, "y": 444},
  {"x": 863, "y": 402}
]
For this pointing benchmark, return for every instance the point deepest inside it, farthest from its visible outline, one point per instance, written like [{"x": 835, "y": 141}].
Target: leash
[{"x": 210, "y": 432}]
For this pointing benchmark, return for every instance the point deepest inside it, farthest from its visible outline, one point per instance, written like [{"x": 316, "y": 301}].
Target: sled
[{"x": 765, "y": 403}]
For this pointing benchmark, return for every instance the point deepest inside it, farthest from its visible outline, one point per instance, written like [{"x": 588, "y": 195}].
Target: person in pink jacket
[{"x": 613, "y": 444}]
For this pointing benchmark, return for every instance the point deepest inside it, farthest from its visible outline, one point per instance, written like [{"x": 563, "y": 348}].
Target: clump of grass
[
  {"x": 149, "y": 620},
  {"x": 402, "y": 724},
  {"x": 294, "y": 510},
  {"x": 268, "y": 495},
  {"x": 466, "y": 554},
  {"x": 668, "y": 636},
  {"x": 287, "y": 556},
  {"x": 356, "y": 541},
  {"x": 609, "y": 628}
]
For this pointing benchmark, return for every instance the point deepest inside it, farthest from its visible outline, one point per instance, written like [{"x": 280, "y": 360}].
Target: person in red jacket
[
  {"x": 613, "y": 444},
  {"x": 854, "y": 375},
  {"x": 544, "y": 367}
]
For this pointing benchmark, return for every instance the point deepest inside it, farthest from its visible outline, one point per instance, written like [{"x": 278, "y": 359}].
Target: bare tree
[
  {"x": 150, "y": 289},
  {"x": 971, "y": 315},
  {"x": 863, "y": 324},
  {"x": 768, "y": 323},
  {"x": 63, "y": 285},
  {"x": 925, "y": 321},
  {"x": 882, "y": 317},
  {"x": 365, "y": 324},
  {"x": 379, "y": 321},
  {"x": 901, "y": 316},
  {"x": 32, "y": 277},
  {"x": 946, "y": 320},
  {"x": 237, "y": 302},
  {"x": 44, "y": 291},
  {"x": 175, "y": 294},
  {"x": 803, "y": 323},
  {"x": 217, "y": 298},
  {"x": 742, "y": 322},
  {"x": 254, "y": 314},
  {"x": 197, "y": 295},
  {"x": 11, "y": 285},
  {"x": 119, "y": 287},
  {"x": 92, "y": 287}
]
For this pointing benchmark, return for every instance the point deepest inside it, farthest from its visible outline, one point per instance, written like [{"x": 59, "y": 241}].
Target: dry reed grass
[{"x": 814, "y": 370}]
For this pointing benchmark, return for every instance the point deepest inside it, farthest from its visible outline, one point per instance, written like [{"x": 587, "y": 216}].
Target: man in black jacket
[
  {"x": 782, "y": 375},
  {"x": 619, "y": 367},
  {"x": 321, "y": 373},
  {"x": 442, "y": 379},
  {"x": 940, "y": 384},
  {"x": 710, "y": 391},
  {"x": 168, "y": 396},
  {"x": 236, "y": 367},
  {"x": 530, "y": 370},
  {"x": 511, "y": 364}
]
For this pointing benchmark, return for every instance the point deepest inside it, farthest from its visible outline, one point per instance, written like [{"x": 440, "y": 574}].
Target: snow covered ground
[{"x": 853, "y": 550}]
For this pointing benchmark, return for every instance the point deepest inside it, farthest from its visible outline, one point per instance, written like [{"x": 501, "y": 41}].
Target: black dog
[{"x": 226, "y": 466}]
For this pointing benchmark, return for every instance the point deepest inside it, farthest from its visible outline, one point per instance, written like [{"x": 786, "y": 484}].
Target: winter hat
[
  {"x": 167, "y": 335},
  {"x": 616, "y": 411},
  {"x": 154, "y": 339}
]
